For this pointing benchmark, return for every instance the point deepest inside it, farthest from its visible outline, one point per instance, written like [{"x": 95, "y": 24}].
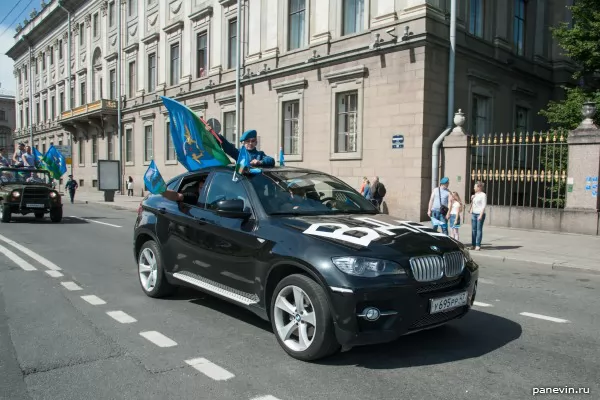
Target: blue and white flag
[{"x": 154, "y": 180}]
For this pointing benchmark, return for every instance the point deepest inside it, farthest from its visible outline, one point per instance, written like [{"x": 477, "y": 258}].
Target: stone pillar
[
  {"x": 456, "y": 158},
  {"x": 254, "y": 36},
  {"x": 584, "y": 162}
]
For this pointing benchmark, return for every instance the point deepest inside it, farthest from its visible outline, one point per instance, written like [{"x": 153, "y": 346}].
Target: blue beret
[
  {"x": 251, "y": 134},
  {"x": 444, "y": 180}
]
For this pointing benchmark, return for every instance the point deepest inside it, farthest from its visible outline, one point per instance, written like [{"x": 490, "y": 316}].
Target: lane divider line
[
  {"x": 210, "y": 369},
  {"x": 17, "y": 260},
  {"x": 96, "y": 222},
  {"x": 72, "y": 286},
  {"x": 54, "y": 274},
  {"x": 486, "y": 281},
  {"x": 158, "y": 339},
  {"x": 93, "y": 300},
  {"x": 121, "y": 317},
  {"x": 544, "y": 317},
  {"x": 480, "y": 304},
  {"x": 267, "y": 397},
  {"x": 45, "y": 262}
]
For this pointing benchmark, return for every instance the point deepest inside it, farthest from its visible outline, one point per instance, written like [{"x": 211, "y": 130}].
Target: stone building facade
[
  {"x": 331, "y": 81},
  {"x": 7, "y": 124}
]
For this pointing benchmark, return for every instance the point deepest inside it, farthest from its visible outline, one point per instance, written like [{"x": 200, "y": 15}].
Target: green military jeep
[{"x": 24, "y": 191}]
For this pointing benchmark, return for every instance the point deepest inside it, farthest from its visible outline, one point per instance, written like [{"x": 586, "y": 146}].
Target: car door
[
  {"x": 177, "y": 227},
  {"x": 229, "y": 246}
]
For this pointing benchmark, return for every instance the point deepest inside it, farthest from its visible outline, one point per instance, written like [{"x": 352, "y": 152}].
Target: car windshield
[
  {"x": 24, "y": 176},
  {"x": 308, "y": 193}
]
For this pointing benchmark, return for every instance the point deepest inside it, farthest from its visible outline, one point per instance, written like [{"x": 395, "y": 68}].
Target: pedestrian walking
[
  {"x": 454, "y": 214},
  {"x": 71, "y": 186},
  {"x": 366, "y": 190},
  {"x": 377, "y": 192},
  {"x": 130, "y": 187},
  {"x": 438, "y": 206},
  {"x": 477, "y": 210}
]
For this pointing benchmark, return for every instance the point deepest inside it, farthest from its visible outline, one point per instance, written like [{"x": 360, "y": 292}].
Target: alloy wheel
[
  {"x": 148, "y": 269},
  {"x": 295, "y": 319}
]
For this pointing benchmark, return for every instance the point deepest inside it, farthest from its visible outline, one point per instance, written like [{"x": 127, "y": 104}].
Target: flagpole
[
  {"x": 119, "y": 105},
  {"x": 237, "y": 67}
]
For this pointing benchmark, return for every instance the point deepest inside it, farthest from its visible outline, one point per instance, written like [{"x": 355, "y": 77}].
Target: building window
[
  {"x": 170, "y": 145},
  {"x": 52, "y": 55},
  {"x": 37, "y": 113},
  {"x": 291, "y": 127},
  {"x": 476, "y": 17},
  {"x": 26, "y": 116},
  {"x": 519, "y": 27},
  {"x": 128, "y": 145},
  {"x": 43, "y": 61},
  {"x": 95, "y": 25},
  {"x": 132, "y": 79},
  {"x": 232, "y": 35},
  {"x": 521, "y": 119},
  {"x": 175, "y": 64},
  {"x": 148, "y": 153},
  {"x": 111, "y": 14},
  {"x": 60, "y": 49},
  {"x": 2, "y": 115},
  {"x": 82, "y": 94},
  {"x": 61, "y": 105},
  {"x": 113, "y": 84},
  {"x": 81, "y": 151},
  {"x": 151, "y": 72},
  {"x": 480, "y": 115},
  {"x": 297, "y": 10},
  {"x": 230, "y": 128},
  {"x": 131, "y": 7},
  {"x": 25, "y": 72},
  {"x": 45, "y": 110},
  {"x": 72, "y": 97},
  {"x": 110, "y": 144},
  {"x": 346, "y": 122},
  {"x": 94, "y": 150},
  {"x": 81, "y": 34},
  {"x": 43, "y": 148},
  {"x": 201, "y": 55},
  {"x": 52, "y": 107},
  {"x": 353, "y": 17}
]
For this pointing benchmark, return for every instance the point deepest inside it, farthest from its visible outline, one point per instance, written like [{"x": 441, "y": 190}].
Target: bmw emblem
[{"x": 435, "y": 248}]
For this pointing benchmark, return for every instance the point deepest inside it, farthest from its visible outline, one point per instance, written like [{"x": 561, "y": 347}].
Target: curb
[
  {"x": 554, "y": 265},
  {"x": 104, "y": 204}
]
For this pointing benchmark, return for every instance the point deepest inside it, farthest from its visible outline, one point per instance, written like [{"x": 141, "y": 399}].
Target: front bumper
[{"x": 404, "y": 309}]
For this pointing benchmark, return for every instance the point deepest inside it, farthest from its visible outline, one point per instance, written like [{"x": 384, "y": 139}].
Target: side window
[
  {"x": 222, "y": 187},
  {"x": 194, "y": 184}
]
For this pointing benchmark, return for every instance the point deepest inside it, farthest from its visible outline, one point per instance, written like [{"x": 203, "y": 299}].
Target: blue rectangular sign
[{"x": 398, "y": 142}]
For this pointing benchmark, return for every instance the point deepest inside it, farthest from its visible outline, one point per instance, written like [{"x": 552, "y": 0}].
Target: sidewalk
[{"x": 559, "y": 251}]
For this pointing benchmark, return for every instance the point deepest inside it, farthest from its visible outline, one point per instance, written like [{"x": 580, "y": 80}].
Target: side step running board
[{"x": 214, "y": 287}]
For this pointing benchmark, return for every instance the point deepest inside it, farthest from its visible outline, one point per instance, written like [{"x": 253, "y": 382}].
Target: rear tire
[
  {"x": 314, "y": 320},
  {"x": 6, "y": 214},
  {"x": 55, "y": 214},
  {"x": 151, "y": 273}
]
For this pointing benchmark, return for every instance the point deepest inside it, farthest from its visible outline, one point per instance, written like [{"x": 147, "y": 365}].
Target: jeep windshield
[
  {"x": 24, "y": 176},
  {"x": 307, "y": 193}
]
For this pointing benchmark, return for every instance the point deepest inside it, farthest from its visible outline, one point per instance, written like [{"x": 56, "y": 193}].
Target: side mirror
[{"x": 232, "y": 209}]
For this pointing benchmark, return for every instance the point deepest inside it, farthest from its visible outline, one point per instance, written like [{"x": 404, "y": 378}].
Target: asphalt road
[{"x": 56, "y": 344}]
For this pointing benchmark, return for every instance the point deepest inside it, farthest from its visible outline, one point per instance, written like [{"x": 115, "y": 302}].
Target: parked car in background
[{"x": 305, "y": 251}]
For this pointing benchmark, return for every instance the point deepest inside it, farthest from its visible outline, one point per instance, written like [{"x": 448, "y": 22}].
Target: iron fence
[{"x": 521, "y": 169}]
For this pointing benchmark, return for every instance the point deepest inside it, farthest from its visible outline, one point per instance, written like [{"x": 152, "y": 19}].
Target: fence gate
[{"x": 521, "y": 169}]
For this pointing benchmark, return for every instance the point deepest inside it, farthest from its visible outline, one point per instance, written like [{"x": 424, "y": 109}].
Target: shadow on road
[
  {"x": 476, "y": 334},
  {"x": 491, "y": 247},
  {"x": 26, "y": 219}
]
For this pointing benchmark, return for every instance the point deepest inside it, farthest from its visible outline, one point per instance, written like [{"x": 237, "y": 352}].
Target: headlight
[
  {"x": 15, "y": 194},
  {"x": 52, "y": 194},
  {"x": 367, "y": 267}
]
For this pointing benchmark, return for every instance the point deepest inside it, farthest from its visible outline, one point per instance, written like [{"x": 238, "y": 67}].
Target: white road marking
[
  {"x": 158, "y": 339},
  {"x": 93, "y": 300},
  {"x": 479, "y": 304},
  {"x": 71, "y": 286},
  {"x": 209, "y": 369},
  {"x": 486, "y": 281},
  {"x": 121, "y": 317},
  {"x": 268, "y": 397},
  {"x": 54, "y": 274},
  {"x": 96, "y": 222},
  {"x": 539, "y": 316},
  {"x": 18, "y": 260},
  {"x": 47, "y": 263}
]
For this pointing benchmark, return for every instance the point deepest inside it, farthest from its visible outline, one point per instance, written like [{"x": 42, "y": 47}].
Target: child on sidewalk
[{"x": 454, "y": 212}]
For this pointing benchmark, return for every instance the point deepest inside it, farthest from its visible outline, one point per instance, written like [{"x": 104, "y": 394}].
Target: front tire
[
  {"x": 55, "y": 214},
  {"x": 6, "y": 214},
  {"x": 151, "y": 271},
  {"x": 301, "y": 319}
]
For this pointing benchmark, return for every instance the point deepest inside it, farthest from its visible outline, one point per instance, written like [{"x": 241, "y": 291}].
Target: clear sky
[{"x": 12, "y": 12}]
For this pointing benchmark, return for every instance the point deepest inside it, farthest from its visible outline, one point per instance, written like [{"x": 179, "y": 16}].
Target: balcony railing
[{"x": 90, "y": 107}]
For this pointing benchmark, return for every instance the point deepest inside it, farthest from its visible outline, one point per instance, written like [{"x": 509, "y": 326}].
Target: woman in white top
[
  {"x": 454, "y": 214},
  {"x": 478, "y": 204}
]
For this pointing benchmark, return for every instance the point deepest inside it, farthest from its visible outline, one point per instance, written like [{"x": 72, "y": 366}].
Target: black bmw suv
[{"x": 305, "y": 251}]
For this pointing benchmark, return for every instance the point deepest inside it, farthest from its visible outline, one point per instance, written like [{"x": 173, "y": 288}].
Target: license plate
[
  {"x": 448, "y": 303},
  {"x": 34, "y": 205}
]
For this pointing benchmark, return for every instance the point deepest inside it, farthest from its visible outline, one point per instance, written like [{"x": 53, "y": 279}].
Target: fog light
[{"x": 371, "y": 314}]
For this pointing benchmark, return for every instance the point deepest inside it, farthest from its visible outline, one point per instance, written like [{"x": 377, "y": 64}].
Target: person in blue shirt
[{"x": 258, "y": 158}]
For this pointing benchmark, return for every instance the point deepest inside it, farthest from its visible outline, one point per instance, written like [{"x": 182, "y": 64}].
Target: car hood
[{"x": 374, "y": 232}]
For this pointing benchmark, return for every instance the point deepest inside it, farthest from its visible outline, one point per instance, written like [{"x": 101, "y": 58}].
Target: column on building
[
  {"x": 216, "y": 43},
  {"x": 254, "y": 27},
  {"x": 271, "y": 27}
]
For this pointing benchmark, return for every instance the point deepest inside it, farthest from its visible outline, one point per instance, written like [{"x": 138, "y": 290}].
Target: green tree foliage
[{"x": 566, "y": 114}]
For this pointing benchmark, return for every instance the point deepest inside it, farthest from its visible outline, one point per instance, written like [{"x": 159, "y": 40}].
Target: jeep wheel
[
  {"x": 56, "y": 214},
  {"x": 6, "y": 214},
  {"x": 302, "y": 320},
  {"x": 39, "y": 215},
  {"x": 151, "y": 272}
]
